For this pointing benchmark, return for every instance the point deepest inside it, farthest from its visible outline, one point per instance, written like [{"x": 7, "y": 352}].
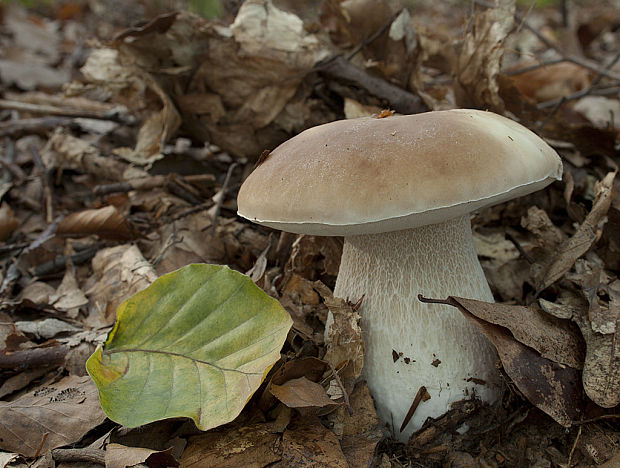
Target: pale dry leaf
[
  {"x": 46, "y": 328},
  {"x": 118, "y": 273},
  {"x": 551, "y": 81},
  {"x": 121, "y": 456},
  {"x": 50, "y": 416},
  {"x": 344, "y": 342},
  {"x": 105, "y": 222},
  {"x": 588, "y": 233},
  {"x": 69, "y": 297},
  {"x": 479, "y": 62}
]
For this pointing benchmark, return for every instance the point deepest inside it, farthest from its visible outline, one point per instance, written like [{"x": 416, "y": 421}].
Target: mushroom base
[{"x": 409, "y": 344}]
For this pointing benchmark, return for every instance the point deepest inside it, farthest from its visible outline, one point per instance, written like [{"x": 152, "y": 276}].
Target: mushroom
[{"x": 400, "y": 190}]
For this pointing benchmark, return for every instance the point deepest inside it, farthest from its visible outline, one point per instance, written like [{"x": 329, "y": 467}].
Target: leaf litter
[{"x": 130, "y": 172}]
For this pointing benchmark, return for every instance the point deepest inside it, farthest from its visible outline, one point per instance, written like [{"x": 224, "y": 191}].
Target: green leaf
[{"x": 197, "y": 343}]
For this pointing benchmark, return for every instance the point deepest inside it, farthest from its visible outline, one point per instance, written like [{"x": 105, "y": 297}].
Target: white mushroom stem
[{"x": 436, "y": 346}]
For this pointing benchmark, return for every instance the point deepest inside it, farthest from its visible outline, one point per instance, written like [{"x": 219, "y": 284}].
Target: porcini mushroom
[{"x": 400, "y": 190}]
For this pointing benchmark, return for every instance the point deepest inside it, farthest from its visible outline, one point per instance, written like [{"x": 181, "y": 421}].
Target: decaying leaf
[
  {"x": 344, "y": 342},
  {"x": 105, "y": 222},
  {"x": 480, "y": 59},
  {"x": 30, "y": 423},
  {"x": 120, "y": 456},
  {"x": 247, "y": 446},
  {"x": 553, "y": 387},
  {"x": 8, "y": 222},
  {"x": 309, "y": 443},
  {"x": 119, "y": 272},
  {"x": 301, "y": 393},
  {"x": 586, "y": 235}
]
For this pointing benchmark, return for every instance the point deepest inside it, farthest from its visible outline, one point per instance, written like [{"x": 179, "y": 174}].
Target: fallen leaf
[
  {"x": 586, "y": 235},
  {"x": 69, "y": 297},
  {"x": 8, "y": 222},
  {"x": 301, "y": 393},
  {"x": 106, "y": 222},
  {"x": 554, "y": 339},
  {"x": 31, "y": 424},
  {"x": 344, "y": 342},
  {"x": 118, "y": 272},
  {"x": 120, "y": 456},
  {"x": 247, "y": 446},
  {"x": 552, "y": 81},
  {"x": 46, "y": 328},
  {"x": 309, "y": 443},
  {"x": 479, "y": 62},
  {"x": 361, "y": 430},
  {"x": 196, "y": 343},
  {"x": 554, "y": 388}
]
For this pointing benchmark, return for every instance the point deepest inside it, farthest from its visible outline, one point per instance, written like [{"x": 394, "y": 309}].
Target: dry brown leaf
[
  {"x": 553, "y": 388},
  {"x": 50, "y": 416},
  {"x": 480, "y": 60},
  {"x": 8, "y": 222},
  {"x": 69, "y": 297},
  {"x": 551, "y": 81},
  {"x": 248, "y": 446},
  {"x": 118, "y": 273},
  {"x": 106, "y": 222},
  {"x": 309, "y": 443},
  {"x": 312, "y": 256},
  {"x": 586, "y": 235},
  {"x": 361, "y": 430},
  {"x": 120, "y": 456},
  {"x": 344, "y": 342},
  {"x": 301, "y": 393},
  {"x": 556, "y": 340}
]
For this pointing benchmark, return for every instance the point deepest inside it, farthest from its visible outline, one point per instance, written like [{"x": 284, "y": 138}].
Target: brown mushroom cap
[{"x": 371, "y": 175}]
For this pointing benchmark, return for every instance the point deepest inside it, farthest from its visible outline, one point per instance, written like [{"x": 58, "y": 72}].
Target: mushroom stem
[{"x": 408, "y": 343}]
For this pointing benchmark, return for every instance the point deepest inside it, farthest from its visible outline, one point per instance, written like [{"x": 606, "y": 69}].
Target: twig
[
  {"x": 345, "y": 395},
  {"x": 11, "y": 247},
  {"x": 398, "y": 98},
  {"x": 59, "y": 263},
  {"x": 41, "y": 125},
  {"x": 43, "y": 439},
  {"x": 598, "y": 418},
  {"x": 85, "y": 454},
  {"x": 33, "y": 357},
  {"x": 9, "y": 160},
  {"x": 518, "y": 246},
  {"x": 421, "y": 395},
  {"x": 46, "y": 109},
  {"x": 221, "y": 197},
  {"x": 47, "y": 189},
  {"x": 572, "y": 450}
]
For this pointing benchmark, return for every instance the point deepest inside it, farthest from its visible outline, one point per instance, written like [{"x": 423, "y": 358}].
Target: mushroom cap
[{"x": 371, "y": 175}]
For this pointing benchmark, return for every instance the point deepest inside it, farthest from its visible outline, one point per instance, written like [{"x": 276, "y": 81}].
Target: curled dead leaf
[{"x": 105, "y": 222}]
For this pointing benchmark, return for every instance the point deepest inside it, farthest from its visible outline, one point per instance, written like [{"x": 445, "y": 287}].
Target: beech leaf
[{"x": 197, "y": 343}]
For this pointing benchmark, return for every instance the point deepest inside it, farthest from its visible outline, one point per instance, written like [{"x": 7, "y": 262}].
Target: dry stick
[
  {"x": 79, "y": 455},
  {"x": 9, "y": 161},
  {"x": 41, "y": 125},
  {"x": 47, "y": 189},
  {"x": 518, "y": 246},
  {"x": 33, "y": 357},
  {"x": 43, "y": 439},
  {"x": 572, "y": 450},
  {"x": 112, "y": 115},
  {"x": 598, "y": 418},
  {"x": 220, "y": 201},
  {"x": 421, "y": 395},
  {"x": 398, "y": 98}
]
